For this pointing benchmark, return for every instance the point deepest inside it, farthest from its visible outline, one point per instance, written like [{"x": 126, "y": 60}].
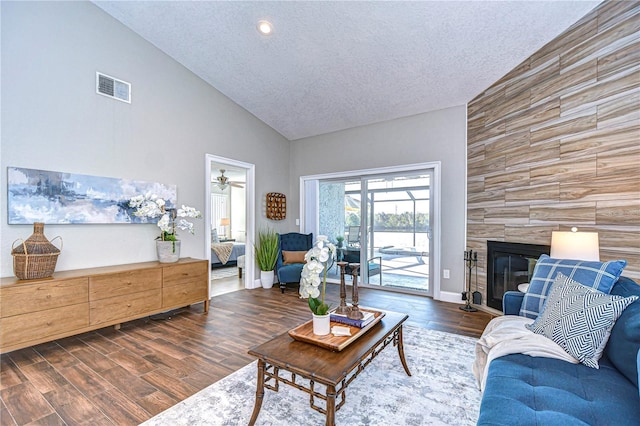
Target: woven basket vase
[{"x": 36, "y": 256}]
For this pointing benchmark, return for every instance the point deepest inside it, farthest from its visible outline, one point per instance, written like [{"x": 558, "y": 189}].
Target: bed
[{"x": 219, "y": 252}]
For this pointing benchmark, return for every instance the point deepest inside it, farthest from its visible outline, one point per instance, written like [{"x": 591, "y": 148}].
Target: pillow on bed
[
  {"x": 289, "y": 257},
  {"x": 214, "y": 236}
]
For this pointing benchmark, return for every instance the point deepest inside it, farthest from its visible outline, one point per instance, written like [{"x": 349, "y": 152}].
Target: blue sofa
[{"x": 525, "y": 390}]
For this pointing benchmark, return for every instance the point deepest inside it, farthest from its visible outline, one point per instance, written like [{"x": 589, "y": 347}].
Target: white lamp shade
[
  {"x": 225, "y": 221},
  {"x": 575, "y": 245}
]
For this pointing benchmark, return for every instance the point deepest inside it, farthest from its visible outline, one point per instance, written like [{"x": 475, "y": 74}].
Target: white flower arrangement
[
  {"x": 151, "y": 206},
  {"x": 317, "y": 262}
]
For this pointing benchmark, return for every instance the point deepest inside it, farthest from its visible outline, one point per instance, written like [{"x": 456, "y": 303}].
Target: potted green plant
[
  {"x": 267, "y": 255},
  {"x": 339, "y": 240}
]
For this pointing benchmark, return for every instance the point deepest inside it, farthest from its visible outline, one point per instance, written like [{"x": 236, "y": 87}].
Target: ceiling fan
[{"x": 223, "y": 181}]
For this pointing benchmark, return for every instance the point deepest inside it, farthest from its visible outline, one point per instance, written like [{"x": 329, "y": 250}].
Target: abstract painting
[{"x": 69, "y": 198}]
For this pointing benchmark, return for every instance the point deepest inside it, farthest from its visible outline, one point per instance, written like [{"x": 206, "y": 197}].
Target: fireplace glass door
[{"x": 508, "y": 266}]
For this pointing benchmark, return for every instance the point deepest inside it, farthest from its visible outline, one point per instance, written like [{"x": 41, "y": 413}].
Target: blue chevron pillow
[
  {"x": 598, "y": 275},
  {"x": 579, "y": 318}
]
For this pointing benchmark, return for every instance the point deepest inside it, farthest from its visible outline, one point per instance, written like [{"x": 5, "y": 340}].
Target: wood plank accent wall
[{"x": 556, "y": 142}]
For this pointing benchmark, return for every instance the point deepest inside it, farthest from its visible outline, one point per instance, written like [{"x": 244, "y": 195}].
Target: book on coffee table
[{"x": 361, "y": 323}]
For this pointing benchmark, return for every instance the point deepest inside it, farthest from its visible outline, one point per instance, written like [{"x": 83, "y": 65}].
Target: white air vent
[{"x": 113, "y": 88}]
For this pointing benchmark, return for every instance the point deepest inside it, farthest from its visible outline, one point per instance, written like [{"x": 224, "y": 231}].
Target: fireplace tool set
[{"x": 471, "y": 260}]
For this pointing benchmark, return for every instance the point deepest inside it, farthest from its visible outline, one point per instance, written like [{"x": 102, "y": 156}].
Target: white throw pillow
[{"x": 579, "y": 318}]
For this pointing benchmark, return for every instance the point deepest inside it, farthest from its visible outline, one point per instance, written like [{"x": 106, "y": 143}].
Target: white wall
[
  {"x": 435, "y": 136},
  {"x": 52, "y": 119}
]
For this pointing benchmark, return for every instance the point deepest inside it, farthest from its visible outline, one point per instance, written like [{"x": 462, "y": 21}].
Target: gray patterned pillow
[{"x": 579, "y": 318}]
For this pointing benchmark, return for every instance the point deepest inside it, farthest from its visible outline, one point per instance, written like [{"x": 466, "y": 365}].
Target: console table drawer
[
  {"x": 25, "y": 298},
  {"x": 185, "y": 274},
  {"x": 135, "y": 281},
  {"x": 182, "y": 295},
  {"x": 124, "y": 308},
  {"x": 39, "y": 325},
  {"x": 82, "y": 300}
]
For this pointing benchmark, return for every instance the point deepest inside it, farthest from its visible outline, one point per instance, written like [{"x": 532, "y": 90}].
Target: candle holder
[
  {"x": 343, "y": 309},
  {"x": 354, "y": 312}
]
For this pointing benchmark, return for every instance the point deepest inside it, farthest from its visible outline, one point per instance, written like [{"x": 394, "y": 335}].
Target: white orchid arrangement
[
  {"x": 317, "y": 262},
  {"x": 151, "y": 206}
]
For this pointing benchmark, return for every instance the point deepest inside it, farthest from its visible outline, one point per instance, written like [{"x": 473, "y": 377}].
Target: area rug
[
  {"x": 224, "y": 272},
  {"x": 441, "y": 391}
]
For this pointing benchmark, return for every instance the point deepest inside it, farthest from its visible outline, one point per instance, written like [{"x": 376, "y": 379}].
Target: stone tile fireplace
[{"x": 508, "y": 266}]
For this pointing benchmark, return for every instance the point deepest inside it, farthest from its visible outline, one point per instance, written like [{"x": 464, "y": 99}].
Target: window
[{"x": 218, "y": 211}]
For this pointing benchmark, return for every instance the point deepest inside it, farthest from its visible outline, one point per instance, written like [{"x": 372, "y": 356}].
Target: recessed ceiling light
[{"x": 265, "y": 27}]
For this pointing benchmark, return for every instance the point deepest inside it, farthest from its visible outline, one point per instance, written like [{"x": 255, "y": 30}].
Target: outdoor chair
[
  {"x": 374, "y": 264},
  {"x": 353, "y": 238}
]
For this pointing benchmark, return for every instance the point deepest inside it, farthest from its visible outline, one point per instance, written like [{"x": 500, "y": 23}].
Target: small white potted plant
[
  {"x": 151, "y": 206},
  {"x": 318, "y": 261}
]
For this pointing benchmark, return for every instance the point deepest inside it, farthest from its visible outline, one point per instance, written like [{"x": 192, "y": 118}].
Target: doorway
[
  {"x": 387, "y": 220},
  {"x": 229, "y": 220}
]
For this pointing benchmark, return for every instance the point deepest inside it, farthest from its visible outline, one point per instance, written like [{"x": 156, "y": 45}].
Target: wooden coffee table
[{"x": 334, "y": 370}]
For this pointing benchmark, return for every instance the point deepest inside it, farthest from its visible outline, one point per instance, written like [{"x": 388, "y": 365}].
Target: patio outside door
[{"x": 389, "y": 234}]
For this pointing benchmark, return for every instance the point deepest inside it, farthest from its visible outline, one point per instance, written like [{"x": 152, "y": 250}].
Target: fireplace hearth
[{"x": 508, "y": 266}]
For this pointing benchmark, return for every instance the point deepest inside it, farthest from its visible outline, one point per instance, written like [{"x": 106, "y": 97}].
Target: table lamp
[
  {"x": 224, "y": 222},
  {"x": 575, "y": 245}
]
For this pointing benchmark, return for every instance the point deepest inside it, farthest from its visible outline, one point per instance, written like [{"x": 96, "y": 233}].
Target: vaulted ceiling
[{"x": 331, "y": 65}]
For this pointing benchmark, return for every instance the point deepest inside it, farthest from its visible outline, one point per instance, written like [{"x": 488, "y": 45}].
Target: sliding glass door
[{"x": 385, "y": 222}]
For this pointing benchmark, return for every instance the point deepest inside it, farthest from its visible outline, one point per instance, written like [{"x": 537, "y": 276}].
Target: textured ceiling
[{"x": 334, "y": 65}]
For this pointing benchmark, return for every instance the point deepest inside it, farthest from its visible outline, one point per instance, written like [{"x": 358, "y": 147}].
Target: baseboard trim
[{"x": 451, "y": 297}]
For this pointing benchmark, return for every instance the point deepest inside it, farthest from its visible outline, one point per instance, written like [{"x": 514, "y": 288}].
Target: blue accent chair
[{"x": 293, "y": 241}]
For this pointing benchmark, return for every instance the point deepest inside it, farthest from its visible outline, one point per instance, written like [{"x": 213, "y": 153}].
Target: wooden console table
[{"x": 77, "y": 301}]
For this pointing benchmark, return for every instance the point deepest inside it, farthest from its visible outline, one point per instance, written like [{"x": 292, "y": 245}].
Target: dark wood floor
[{"x": 126, "y": 376}]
